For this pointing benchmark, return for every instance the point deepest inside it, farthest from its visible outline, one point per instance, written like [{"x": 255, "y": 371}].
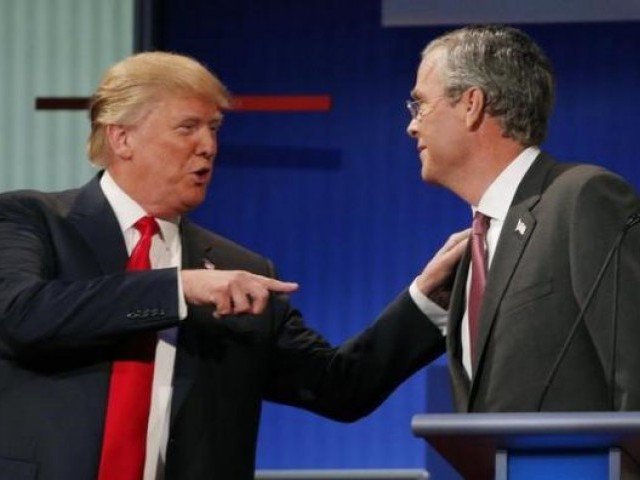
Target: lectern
[{"x": 519, "y": 446}]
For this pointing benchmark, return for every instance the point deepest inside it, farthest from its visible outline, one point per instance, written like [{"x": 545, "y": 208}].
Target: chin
[
  {"x": 425, "y": 174},
  {"x": 191, "y": 204},
  {"x": 429, "y": 177},
  {"x": 429, "y": 171}
]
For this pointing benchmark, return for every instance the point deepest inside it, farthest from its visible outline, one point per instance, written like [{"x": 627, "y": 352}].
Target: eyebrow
[{"x": 195, "y": 118}]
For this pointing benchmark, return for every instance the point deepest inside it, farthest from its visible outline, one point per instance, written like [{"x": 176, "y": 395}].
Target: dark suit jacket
[
  {"x": 563, "y": 221},
  {"x": 65, "y": 301}
]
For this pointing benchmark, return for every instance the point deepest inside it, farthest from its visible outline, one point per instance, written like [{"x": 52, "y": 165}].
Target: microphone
[{"x": 614, "y": 251}]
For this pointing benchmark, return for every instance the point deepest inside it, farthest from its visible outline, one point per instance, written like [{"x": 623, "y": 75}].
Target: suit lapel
[
  {"x": 518, "y": 226},
  {"x": 196, "y": 249},
  {"x": 96, "y": 222}
]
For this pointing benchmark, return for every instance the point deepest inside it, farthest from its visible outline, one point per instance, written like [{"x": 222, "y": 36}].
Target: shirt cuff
[
  {"x": 182, "y": 302},
  {"x": 434, "y": 312}
]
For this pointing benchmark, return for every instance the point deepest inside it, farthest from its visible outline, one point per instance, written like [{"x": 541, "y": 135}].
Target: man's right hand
[
  {"x": 232, "y": 292},
  {"x": 436, "y": 278}
]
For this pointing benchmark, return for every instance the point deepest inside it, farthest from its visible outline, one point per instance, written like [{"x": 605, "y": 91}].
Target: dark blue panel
[
  {"x": 585, "y": 465},
  {"x": 335, "y": 198},
  {"x": 260, "y": 156}
]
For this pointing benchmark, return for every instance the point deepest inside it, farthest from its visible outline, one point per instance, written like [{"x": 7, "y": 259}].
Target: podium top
[
  {"x": 528, "y": 423},
  {"x": 470, "y": 441}
]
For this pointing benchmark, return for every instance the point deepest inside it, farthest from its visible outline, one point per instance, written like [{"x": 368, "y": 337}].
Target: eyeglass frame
[{"x": 415, "y": 107}]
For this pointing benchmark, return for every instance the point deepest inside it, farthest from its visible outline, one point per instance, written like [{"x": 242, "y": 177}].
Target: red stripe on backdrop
[
  {"x": 282, "y": 103},
  {"x": 241, "y": 103}
]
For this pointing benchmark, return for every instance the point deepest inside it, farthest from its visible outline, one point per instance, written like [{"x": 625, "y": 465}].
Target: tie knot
[
  {"x": 147, "y": 226},
  {"x": 480, "y": 224}
]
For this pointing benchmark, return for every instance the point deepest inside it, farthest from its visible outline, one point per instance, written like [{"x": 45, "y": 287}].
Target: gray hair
[{"x": 512, "y": 71}]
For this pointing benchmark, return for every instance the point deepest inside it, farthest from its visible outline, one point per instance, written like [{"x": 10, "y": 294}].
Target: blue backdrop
[{"x": 335, "y": 198}]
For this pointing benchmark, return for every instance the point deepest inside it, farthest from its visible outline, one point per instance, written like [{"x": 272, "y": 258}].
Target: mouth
[{"x": 202, "y": 175}]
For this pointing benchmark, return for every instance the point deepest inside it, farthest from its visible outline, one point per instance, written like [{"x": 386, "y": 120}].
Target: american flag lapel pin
[{"x": 521, "y": 227}]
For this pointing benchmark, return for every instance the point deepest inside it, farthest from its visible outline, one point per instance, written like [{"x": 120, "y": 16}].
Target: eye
[
  {"x": 414, "y": 107},
  {"x": 186, "y": 127},
  {"x": 215, "y": 126}
]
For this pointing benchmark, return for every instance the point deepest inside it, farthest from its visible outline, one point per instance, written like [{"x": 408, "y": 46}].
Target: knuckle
[{"x": 262, "y": 295}]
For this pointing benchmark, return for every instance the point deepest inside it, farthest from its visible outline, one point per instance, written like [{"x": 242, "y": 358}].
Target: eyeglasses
[
  {"x": 419, "y": 108},
  {"x": 414, "y": 107}
]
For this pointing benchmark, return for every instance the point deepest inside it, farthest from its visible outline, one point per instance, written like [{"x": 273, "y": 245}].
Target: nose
[
  {"x": 412, "y": 128},
  {"x": 208, "y": 143}
]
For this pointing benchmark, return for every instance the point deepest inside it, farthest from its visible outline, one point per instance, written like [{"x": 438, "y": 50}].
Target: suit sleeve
[
  {"x": 613, "y": 316},
  {"x": 43, "y": 310},
  {"x": 349, "y": 381}
]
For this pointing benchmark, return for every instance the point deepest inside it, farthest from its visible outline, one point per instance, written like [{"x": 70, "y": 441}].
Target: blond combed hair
[{"x": 130, "y": 88}]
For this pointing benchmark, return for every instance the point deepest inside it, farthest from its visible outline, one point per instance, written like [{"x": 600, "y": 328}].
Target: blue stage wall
[{"x": 335, "y": 198}]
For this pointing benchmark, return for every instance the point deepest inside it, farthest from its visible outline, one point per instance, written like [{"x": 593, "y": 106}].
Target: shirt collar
[
  {"x": 128, "y": 211},
  {"x": 496, "y": 200}
]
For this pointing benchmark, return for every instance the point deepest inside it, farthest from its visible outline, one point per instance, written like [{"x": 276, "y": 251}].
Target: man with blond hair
[{"x": 135, "y": 344}]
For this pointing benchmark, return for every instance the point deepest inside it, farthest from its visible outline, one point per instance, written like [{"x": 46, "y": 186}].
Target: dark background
[{"x": 335, "y": 198}]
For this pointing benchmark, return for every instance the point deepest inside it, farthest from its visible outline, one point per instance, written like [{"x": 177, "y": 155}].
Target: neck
[
  {"x": 132, "y": 188},
  {"x": 484, "y": 166}
]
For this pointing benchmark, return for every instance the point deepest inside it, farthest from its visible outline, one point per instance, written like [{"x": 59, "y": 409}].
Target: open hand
[{"x": 436, "y": 278}]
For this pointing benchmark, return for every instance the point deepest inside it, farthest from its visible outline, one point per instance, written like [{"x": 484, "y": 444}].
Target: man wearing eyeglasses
[{"x": 538, "y": 300}]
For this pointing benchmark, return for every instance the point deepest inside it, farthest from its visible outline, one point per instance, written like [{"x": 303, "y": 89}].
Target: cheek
[
  {"x": 173, "y": 163},
  {"x": 423, "y": 130},
  {"x": 430, "y": 130}
]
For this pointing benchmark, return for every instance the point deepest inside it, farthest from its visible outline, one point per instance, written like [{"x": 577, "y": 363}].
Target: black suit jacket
[
  {"x": 563, "y": 221},
  {"x": 66, "y": 301}
]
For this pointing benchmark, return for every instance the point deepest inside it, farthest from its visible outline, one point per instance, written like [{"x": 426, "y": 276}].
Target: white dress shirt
[
  {"x": 495, "y": 203},
  {"x": 166, "y": 252}
]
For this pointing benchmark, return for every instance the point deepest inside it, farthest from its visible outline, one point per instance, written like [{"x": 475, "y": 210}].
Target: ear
[
  {"x": 475, "y": 102},
  {"x": 119, "y": 142}
]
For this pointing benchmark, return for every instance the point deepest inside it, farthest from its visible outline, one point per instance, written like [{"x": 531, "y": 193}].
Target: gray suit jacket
[{"x": 568, "y": 218}]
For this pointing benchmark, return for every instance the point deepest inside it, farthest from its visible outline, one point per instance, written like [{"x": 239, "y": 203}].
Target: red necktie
[
  {"x": 478, "y": 276},
  {"x": 125, "y": 431}
]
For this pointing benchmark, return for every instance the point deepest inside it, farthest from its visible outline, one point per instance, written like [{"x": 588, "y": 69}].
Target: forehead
[
  {"x": 428, "y": 78},
  {"x": 181, "y": 105}
]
